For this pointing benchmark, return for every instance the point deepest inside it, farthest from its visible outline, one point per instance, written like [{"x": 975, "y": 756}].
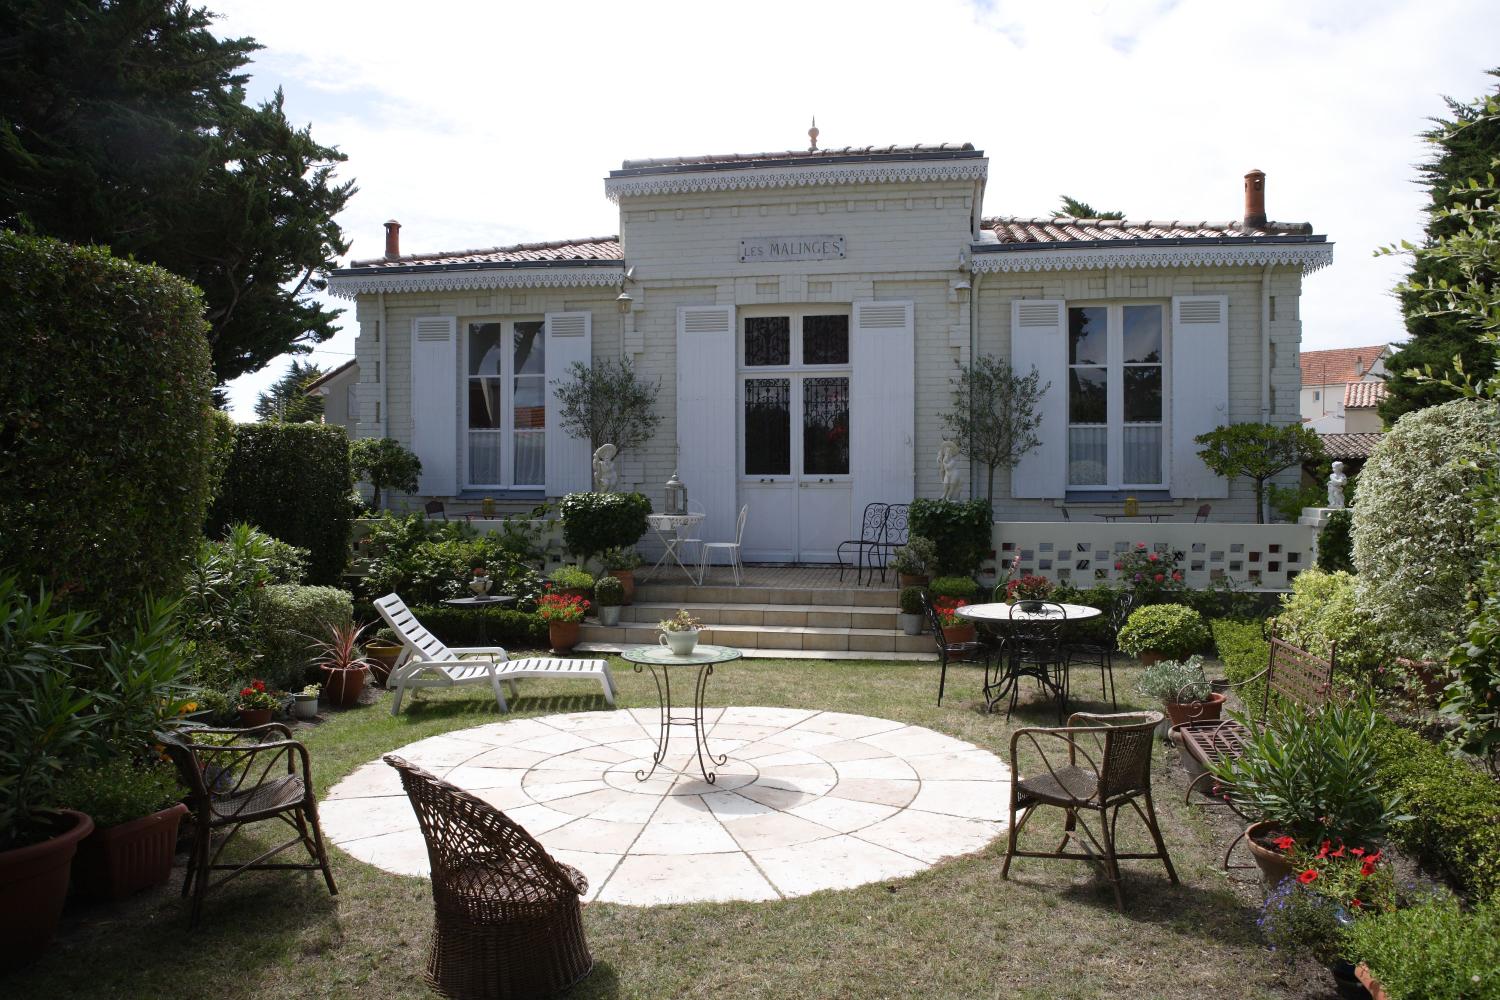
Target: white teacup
[{"x": 681, "y": 643}]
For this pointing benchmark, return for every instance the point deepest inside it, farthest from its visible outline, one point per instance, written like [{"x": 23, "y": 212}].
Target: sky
[{"x": 484, "y": 124}]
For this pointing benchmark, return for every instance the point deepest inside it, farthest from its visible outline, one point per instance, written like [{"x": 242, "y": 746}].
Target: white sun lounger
[{"x": 426, "y": 662}]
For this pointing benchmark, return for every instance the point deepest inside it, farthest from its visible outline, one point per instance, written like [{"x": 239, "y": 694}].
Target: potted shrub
[
  {"x": 343, "y": 665},
  {"x": 256, "y": 704},
  {"x": 562, "y": 613},
  {"x": 680, "y": 632},
  {"x": 609, "y": 594},
  {"x": 305, "y": 703},
  {"x": 621, "y": 563},
  {"x": 136, "y": 811},
  {"x": 1162, "y": 632},
  {"x": 912, "y": 612},
  {"x": 1183, "y": 689},
  {"x": 571, "y": 581},
  {"x": 383, "y": 651},
  {"x": 914, "y": 561},
  {"x": 1028, "y": 592},
  {"x": 1309, "y": 777},
  {"x": 1433, "y": 949},
  {"x": 955, "y": 629}
]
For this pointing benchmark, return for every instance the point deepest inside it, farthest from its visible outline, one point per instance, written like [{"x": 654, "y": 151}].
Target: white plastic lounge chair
[{"x": 426, "y": 662}]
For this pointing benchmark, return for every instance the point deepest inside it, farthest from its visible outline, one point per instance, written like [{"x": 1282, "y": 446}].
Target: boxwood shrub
[
  {"x": 960, "y": 531},
  {"x": 106, "y": 423},
  {"x": 1433, "y": 951},
  {"x": 1243, "y": 647},
  {"x": 292, "y": 482},
  {"x": 1173, "y": 630},
  {"x": 486, "y": 626},
  {"x": 594, "y": 522},
  {"x": 289, "y": 618}
]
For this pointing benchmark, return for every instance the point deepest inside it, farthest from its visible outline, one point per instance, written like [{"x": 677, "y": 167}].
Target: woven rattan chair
[
  {"x": 263, "y": 774},
  {"x": 507, "y": 918},
  {"x": 1108, "y": 767}
]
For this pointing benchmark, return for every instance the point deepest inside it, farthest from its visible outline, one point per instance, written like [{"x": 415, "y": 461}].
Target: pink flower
[
  {"x": 1152, "y": 557},
  {"x": 1159, "y": 578}
]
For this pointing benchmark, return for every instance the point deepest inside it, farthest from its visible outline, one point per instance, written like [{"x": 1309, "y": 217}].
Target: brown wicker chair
[
  {"x": 1116, "y": 753},
  {"x": 250, "y": 779},
  {"x": 508, "y": 922}
]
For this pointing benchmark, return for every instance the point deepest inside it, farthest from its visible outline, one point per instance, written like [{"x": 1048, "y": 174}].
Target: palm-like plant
[{"x": 341, "y": 654}]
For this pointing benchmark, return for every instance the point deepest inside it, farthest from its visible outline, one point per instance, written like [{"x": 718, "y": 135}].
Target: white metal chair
[
  {"x": 426, "y": 662},
  {"x": 733, "y": 548},
  {"x": 684, "y": 540}
]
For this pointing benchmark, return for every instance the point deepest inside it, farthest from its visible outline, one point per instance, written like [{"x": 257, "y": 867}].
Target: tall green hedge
[
  {"x": 290, "y": 619},
  {"x": 292, "y": 482},
  {"x": 960, "y": 529},
  {"x": 105, "y": 433}
]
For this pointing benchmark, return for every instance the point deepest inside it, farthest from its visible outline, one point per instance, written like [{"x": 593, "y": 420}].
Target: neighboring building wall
[
  {"x": 1362, "y": 420},
  {"x": 340, "y": 400},
  {"x": 1322, "y": 407}
]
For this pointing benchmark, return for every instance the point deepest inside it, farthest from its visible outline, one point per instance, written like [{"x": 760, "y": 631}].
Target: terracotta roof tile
[
  {"x": 1014, "y": 230},
  {"x": 812, "y": 155},
  {"x": 1346, "y": 446},
  {"x": 1339, "y": 364},
  {"x": 1364, "y": 394},
  {"x": 558, "y": 251}
]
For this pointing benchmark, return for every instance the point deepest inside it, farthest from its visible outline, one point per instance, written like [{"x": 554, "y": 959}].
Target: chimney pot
[
  {"x": 1255, "y": 199},
  {"x": 392, "y": 240}
]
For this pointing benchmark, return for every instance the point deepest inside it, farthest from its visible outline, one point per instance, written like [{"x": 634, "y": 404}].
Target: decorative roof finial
[{"x": 812, "y": 134}]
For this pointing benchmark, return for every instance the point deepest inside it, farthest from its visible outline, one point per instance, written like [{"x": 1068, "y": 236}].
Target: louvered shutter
[
  {"x": 882, "y": 406},
  {"x": 569, "y": 339},
  {"x": 434, "y": 403},
  {"x": 1038, "y": 340},
  {"x": 705, "y": 414},
  {"x": 1200, "y": 389}
]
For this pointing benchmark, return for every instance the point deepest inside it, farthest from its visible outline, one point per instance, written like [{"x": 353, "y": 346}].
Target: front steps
[{"x": 785, "y": 622}]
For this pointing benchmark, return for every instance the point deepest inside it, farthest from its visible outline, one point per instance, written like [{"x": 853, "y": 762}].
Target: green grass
[{"x": 956, "y": 930}]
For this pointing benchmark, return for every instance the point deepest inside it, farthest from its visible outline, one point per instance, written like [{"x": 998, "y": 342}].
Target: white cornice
[
  {"x": 894, "y": 172},
  {"x": 1308, "y": 256},
  {"x": 348, "y": 286}
]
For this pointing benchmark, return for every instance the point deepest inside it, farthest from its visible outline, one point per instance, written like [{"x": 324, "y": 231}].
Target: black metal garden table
[{"x": 661, "y": 661}]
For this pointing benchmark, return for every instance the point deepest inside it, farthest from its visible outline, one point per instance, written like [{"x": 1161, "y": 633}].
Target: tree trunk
[
  {"x": 989, "y": 490},
  {"x": 1260, "y": 501}
]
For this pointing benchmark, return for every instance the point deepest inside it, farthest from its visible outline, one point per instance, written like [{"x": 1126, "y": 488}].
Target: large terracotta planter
[
  {"x": 1364, "y": 975},
  {"x": 1273, "y": 865},
  {"x": 904, "y": 580},
  {"x": 115, "y": 861},
  {"x": 252, "y": 717},
  {"x": 562, "y": 636},
  {"x": 33, "y": 887},
  {"x": 1195, "y": 711},
  {"x": 383, "y": 657},
  {"x": 627, "y": 580},
  {"x": 343, "y": 687}
]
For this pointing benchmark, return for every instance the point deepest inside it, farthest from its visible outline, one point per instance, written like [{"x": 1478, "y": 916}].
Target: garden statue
[
  {"x": 1336, "y": 483},
  {"x": 604, "y": 468},
  {"x": 947, "y": 458}
]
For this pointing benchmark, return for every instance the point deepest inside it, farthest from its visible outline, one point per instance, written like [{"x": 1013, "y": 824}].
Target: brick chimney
[
  {"x": 393, "y": 239},
  {"x": 1255, "y": 199}
]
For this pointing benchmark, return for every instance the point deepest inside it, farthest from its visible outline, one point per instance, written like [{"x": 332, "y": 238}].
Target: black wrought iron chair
[
  {"x": 897, "y": 533},
  {"x": 434, "y": 509},
  {"x": 871, "y": 534},
  {"x": 1108, "y": 767},
  {"x": 947, "y": 649},
  {"x": 1101, "y": 652},
  {"x": 1032, "y": 646},
  {"x": 1203, "y": 513},
  {"x": 245, "y": 780}
]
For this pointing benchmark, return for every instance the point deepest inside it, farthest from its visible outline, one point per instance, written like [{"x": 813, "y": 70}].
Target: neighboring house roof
[
  {"x": 1350, "y": 446},
  {"x": 570, "y": 252},
  {"x": 1342, "y": 364},
  {"x": 327, "y": 377},
  {"x": 1361, "y": 394},
  {"x": 1068, "y": 231}
]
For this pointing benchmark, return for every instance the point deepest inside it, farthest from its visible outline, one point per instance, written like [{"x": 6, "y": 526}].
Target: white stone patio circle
[{"x": 808, "y": 801}]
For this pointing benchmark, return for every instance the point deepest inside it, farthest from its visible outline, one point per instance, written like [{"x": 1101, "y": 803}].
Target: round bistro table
[
  {"x": 661, "y": 661},
  {"x": 1008, "y": 675},
  {"x": 479, "y": 604}
]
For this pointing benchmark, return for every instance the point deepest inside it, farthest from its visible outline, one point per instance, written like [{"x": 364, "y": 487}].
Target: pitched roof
[
  {"x": 1342, "y": 364},
  {"x": 1067, "y": 231},
  {"x": 327, "y": 377},
  {"x": 571, "y": 252},
  {"x": 737, "y": 161},
  {"x": 1358, "y": 394},
  {"x": 1346, "y": 446}
]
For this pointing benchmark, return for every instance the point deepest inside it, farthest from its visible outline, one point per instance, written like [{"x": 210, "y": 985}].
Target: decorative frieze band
[
  {"x": 803, "y": 176},
  {"x": 348, "y": 286},
  {"x": 1308, "y": 256}
]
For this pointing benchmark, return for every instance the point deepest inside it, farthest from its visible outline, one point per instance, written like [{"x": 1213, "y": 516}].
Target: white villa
[{"x": 805, "y": 312}]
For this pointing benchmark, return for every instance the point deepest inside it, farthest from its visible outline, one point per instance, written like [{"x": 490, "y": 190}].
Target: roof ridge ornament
[{"x": 812, "y": 134}]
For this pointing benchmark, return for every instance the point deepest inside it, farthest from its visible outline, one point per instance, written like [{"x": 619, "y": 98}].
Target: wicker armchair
[
  {"x": 507, "y": 918},
  {"x": 261, "y": 774},
  {"x": 1108, "y": 767}
]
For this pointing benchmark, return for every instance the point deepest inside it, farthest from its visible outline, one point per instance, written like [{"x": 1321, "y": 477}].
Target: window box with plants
[
  {"x": 609, "y": 594},
  {"x": 136, "y": 811},
  {"x": 911, "y": 614},
  {"x": 680, "y": 632},
  {"x": 914, "y": 561},
  {"x": 1183, "y": 689},
  {"x": 1163, "y": 632},
  {"x": 563, "y": 614},
  {"x": 621, "y": 562}
]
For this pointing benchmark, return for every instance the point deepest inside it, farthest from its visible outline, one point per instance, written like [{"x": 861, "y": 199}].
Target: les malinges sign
[{"x": 770, "y": 249}]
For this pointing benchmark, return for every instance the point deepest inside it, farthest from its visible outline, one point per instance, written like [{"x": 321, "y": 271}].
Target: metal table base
[{"x": 660, "y": 662}]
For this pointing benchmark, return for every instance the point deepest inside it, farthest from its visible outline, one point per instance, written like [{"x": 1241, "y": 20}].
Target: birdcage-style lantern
[{"x": 676, "y": 495}]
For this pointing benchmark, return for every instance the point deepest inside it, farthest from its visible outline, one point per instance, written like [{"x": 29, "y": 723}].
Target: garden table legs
[{"x": 663, "y": 680}]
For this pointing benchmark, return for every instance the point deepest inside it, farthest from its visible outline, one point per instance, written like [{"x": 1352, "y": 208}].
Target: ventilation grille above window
[
  {"x": 566, "y": 326},
  {"x": 1199, "y": 311},
  {"x": 1039, "y": 314},
  {"x": 705, "y": 321},
  {"x": 891, "y": 317},
  {"x": 434, "y": 330}
]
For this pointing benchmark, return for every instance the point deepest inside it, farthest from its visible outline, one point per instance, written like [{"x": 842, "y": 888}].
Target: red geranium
[
  {"x": 1284, "y": 843},
  {"x": 1307, "y": 876}
]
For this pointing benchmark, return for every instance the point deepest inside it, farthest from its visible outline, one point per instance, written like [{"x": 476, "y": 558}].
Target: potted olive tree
[
  {"x": 912, "y": 611},
  {"x": 609, "y": 594}
]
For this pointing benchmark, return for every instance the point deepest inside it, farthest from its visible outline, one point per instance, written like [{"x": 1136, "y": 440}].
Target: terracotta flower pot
[
  {"x": 627, "y": 580},
  {"x": 1364, "y": 975},
  {"x": 252, "y": 717},
  {"x": 905, "y": 580},
  {"x": 33, "y": 887},
  {"x": 115, "y": 861},
  {"x": 1150, "y": 656},
  {"x": 1274, "y": 866},
  {"x": 1196, "y": 711},
  {"x": 383, "y": 657},
  {"x": 562, "y": 636},
  {"x": 343, "y": 687}
]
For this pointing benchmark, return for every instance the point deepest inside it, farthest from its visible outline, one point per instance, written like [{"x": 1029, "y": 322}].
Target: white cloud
[{"x": 479, "y": 124}]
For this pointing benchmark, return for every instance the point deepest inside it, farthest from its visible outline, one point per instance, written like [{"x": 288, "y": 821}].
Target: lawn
[{"x": 956, "y": 930}]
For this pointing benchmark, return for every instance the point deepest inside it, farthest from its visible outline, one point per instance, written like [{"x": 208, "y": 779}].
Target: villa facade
[{"x": 805, "y": 313}]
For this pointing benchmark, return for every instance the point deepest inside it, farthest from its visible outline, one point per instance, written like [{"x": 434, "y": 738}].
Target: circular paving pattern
[{"x": 808, "y": 801}]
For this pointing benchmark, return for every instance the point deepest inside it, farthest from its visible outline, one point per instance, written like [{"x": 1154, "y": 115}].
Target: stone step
[
  {"x": 683, "y": 594},
  {"x": 720, "y": 613},
  {"x": 769, "y": 637}
]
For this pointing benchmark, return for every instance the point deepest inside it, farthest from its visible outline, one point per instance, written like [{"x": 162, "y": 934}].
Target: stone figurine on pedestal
[
  {"x": 947, "y": 459},
  {"x": 605, "y": 476},
  {"x": 1336, "y": 483}
]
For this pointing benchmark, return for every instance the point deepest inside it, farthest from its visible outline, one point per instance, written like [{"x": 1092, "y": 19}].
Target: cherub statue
[
  {"x": 947, "y": 458},
  {"x": 604, "y": 468},
  {"x": 1336, "y": 483}
]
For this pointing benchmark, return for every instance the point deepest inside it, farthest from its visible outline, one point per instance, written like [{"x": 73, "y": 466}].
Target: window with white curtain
[
  {"x": 1116, "y": 386},
  {"x": 507, "y": 399}
]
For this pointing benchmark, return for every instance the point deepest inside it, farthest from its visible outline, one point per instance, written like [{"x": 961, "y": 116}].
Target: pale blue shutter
[
  {"x": 882, "y": 406},
  {"x": 1038, "y": 339},
  {"x": 434, "y": 403},
  {"x": 706, "y": 415},
  {"x": 568, "y": 339},
  {"x": 1200, "y": 389}
]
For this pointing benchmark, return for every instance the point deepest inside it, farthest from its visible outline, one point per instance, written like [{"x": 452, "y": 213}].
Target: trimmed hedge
[
  {"x": 289, "y": 617},
  {"x": 487, "y": 626},
  {"x": 292, "y": 482},
  {"x": 105, "y": 424},
  {"x": 1455, "y": 808},
  {"x": 960, "y": 530},
  {"x": 594, "y": 522},
  {"x": 1243, "y": 647}
]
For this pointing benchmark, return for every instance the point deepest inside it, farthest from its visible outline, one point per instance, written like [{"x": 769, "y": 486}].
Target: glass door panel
[
  {"x": 768, "y": 427},
  {"x": 825, "y": 426}
]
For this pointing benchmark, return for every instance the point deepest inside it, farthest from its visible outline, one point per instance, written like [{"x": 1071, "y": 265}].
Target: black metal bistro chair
[
  {"x": 867, "y": 545},
  {"x": 947, "y": 649},
  {"x": 1101, "y": 652},
  {"x": 1031, "y": 647}
]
